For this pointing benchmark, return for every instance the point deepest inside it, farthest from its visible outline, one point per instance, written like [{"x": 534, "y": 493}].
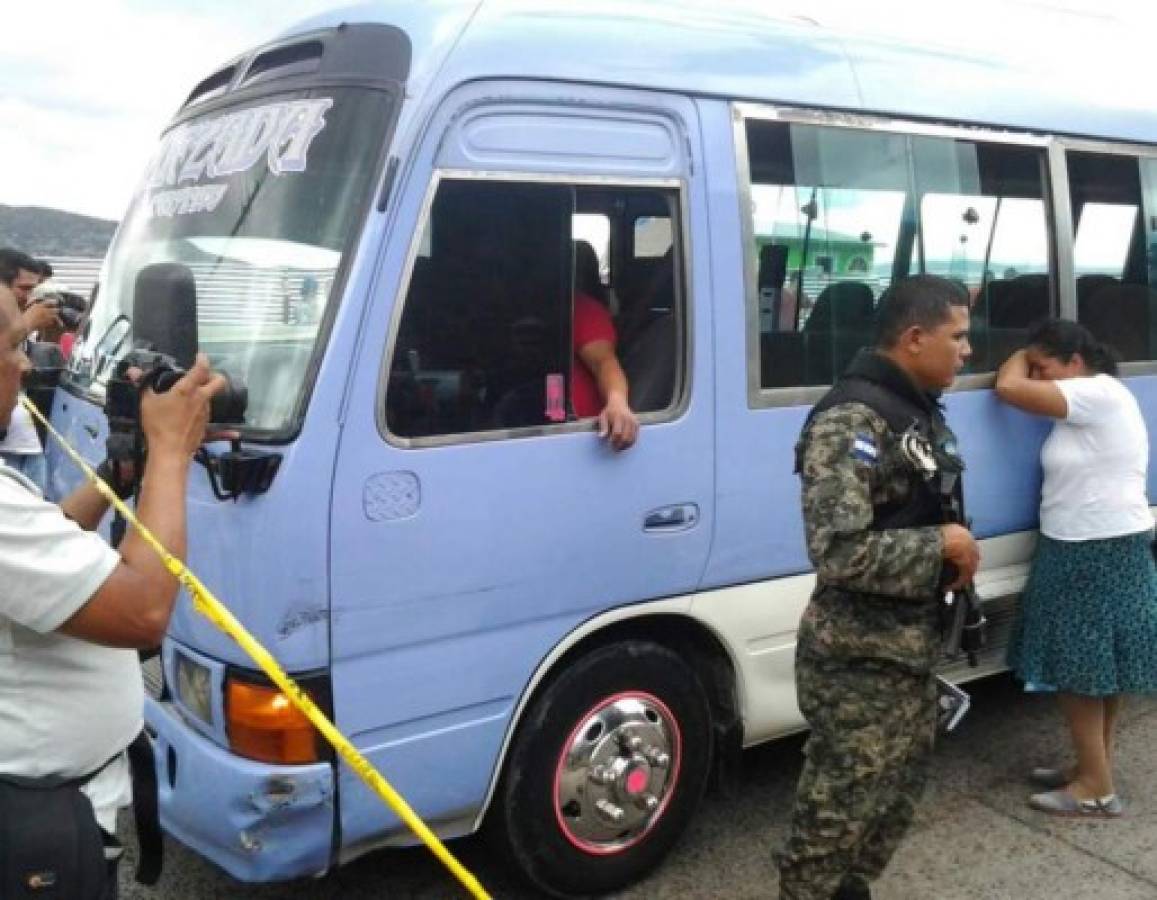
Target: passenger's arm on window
[
  {"x": 1016, "y": 387},
  {"x": 616, "y": 422}
]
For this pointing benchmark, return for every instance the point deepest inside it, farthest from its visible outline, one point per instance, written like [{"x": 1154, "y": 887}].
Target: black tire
[{"x": 545, "y": 808}]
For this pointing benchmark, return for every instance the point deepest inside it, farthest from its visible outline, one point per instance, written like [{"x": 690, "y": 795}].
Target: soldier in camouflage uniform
[{"x": 870, "y": 635}]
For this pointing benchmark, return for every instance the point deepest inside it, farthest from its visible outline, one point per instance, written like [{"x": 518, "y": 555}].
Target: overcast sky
[{"x": 87, "y": 85}]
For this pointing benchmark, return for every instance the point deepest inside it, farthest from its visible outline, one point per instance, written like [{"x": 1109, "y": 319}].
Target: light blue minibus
[{"x": 379, "y": 222}]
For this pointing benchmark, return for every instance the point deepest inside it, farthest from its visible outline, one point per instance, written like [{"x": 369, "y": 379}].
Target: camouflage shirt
[{"x": 877, "y": 591}]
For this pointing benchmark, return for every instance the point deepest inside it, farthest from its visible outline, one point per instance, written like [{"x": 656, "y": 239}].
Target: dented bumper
[{"x": 257, "y": 821}]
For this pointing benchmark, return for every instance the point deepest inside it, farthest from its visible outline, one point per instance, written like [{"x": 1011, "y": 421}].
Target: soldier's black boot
[{"x": 853, "y": 888}]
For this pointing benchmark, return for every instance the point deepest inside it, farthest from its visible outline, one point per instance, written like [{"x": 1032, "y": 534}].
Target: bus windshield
[{"x": 256, "y": 205}]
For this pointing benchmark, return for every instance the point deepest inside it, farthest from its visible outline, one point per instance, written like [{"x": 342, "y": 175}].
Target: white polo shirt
[
  {"x": 1095, "y": 464},
  {"x": 66, "y": 705},
  {"x": 21, "y": 437}
]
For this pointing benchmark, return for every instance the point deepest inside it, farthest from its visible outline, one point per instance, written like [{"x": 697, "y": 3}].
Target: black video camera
[
  {"x": 158, "y": 371},
  {"x": 71, "y": 309},
  {"x": 69, "y": 306},
  {"x": 165, "y": 346}
]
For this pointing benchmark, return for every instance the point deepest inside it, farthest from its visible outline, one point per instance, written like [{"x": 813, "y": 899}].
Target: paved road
[{"x": 974, "y": 838}]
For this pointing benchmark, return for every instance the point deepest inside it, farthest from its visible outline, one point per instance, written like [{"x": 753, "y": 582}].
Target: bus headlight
[{"x": 194, "y": 688}]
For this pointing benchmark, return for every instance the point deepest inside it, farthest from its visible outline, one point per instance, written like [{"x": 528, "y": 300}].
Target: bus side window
[
  {"x": 826, "y": 217},
  {"x": 484, "y": 343},
  {"x": 1115, "y": 299},
  {"x": 983, "y": 224},
  {"x": 837, "y": 213}
]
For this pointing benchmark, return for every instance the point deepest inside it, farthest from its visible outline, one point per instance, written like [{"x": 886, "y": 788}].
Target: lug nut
[
  {"x": 658, "y": 758},
  {"x": 612, "y": 812},
  {"x": 601, "y": 775}
]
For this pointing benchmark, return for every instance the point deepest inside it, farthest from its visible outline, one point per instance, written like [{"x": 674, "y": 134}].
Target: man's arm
[
  {"x": 132, "y": 607},
  {"x": 86, "y": 506},
  {"x": 616, "y": 422},
  {"x": 840, "y": 463}
]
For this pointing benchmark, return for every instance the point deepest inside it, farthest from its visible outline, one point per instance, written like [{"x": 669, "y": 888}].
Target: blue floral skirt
[{"x": 1087, "y": 623}]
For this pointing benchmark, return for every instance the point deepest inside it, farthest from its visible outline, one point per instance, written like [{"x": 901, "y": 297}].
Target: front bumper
[{"x": 257, "y": 821}]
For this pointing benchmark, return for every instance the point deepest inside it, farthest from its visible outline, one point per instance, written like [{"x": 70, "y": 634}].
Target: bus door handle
[{"x": 678, "y": 517}]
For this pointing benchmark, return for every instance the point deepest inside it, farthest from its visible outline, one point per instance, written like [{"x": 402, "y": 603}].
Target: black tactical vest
[{"x": 917, "y": 424}]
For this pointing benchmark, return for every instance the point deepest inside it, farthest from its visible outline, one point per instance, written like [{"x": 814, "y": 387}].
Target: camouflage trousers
[{"x": 867, "y": 758}]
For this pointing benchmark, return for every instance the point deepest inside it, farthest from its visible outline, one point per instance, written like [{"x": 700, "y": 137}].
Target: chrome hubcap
[{"x": 617, "y": 771}]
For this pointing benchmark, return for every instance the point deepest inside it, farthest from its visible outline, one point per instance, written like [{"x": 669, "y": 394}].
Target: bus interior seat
[
  {"x": 1018, "y": 302},
  {"x": 641, "y": 303},
  {"x": 1087, "y": 286},
  {"x": 1119, "y": 315},
  {"x": 839, "y": 325},
  {"x": 782, "y": 359},
  {"x": 770, "y": 279},
  {"x": 648, "y": 340},
  {"x": 842, "y": 306},
  {"x": 634, "y": 285},
  {"x": 650, "y": 364}
]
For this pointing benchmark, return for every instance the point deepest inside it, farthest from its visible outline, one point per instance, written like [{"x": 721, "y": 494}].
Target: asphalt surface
[{"x": 974, "y": 839}]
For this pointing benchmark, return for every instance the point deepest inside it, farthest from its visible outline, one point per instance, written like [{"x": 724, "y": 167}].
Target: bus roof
[{"x": 1003, "y": 64}]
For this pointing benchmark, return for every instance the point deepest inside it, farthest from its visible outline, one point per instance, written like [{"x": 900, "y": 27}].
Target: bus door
[{"x": 477, "y": 516}]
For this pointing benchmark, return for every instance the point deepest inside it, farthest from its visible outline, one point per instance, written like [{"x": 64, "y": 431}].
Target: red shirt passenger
[
  {"x": 592, "y": 322},
  {"x": 598, "y": 384}
]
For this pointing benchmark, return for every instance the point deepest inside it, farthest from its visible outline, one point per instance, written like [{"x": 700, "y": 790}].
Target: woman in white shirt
[{"x": 1087, "y": 627}]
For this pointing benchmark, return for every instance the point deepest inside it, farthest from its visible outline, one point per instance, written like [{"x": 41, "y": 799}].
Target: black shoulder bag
[
  {"x": 51, "y": 846},
  {"x": 50, "y": 843}
]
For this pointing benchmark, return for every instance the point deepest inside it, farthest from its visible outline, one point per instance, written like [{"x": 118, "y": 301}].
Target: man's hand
[
  {"x": 960, "y": 549},
  {"x": 618, "y": 424},
  {"x": 41, "y": 317},
  {"x": 174, "y": 422}
]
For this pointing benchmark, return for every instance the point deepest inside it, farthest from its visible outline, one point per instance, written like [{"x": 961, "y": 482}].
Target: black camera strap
[{"x": 150, "y": 856}]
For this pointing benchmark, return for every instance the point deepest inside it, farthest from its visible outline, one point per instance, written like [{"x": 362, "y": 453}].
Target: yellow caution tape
[{"x": 212, "y": 608}]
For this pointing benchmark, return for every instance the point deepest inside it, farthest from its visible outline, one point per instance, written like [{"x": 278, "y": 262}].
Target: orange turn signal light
[{"x": 262, "y": 724}]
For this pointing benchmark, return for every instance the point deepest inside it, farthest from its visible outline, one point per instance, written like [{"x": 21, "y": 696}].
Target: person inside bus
[
  {"x": 1087, "y": 624},
  {"x": 598, "y": 383}
]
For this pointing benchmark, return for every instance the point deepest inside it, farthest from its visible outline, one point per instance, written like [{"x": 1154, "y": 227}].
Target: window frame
[
  {"x": 1062, "y": 286},
  {"x": 679, "y": 191},
  {"x": 1139, "y": 153}
]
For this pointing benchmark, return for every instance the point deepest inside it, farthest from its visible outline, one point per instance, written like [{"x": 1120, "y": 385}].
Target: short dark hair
[
  {"x": 43, "y": 268},
  {"x": 1061, "y": 338},
  {"x": 12, "y": 261},
  {"x": 924, "y": 300}
]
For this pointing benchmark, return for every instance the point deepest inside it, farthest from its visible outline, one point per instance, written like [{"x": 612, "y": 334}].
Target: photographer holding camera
[
  {"x": 20, "y": 448},
  {"x": 72, "y": 611}
]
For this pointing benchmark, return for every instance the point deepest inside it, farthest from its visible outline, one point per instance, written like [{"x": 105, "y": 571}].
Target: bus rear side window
[{"x": 1115, "y": 296}]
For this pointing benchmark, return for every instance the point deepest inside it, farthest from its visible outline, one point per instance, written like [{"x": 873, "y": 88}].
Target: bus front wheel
[{"x": 606, "y": 769}]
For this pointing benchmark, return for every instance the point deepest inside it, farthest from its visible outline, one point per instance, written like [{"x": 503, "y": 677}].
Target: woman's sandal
[{"x": 1062, "y": 803}]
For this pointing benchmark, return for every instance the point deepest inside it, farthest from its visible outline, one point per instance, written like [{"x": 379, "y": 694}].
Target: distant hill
[{"x": 53, "y": 232}]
